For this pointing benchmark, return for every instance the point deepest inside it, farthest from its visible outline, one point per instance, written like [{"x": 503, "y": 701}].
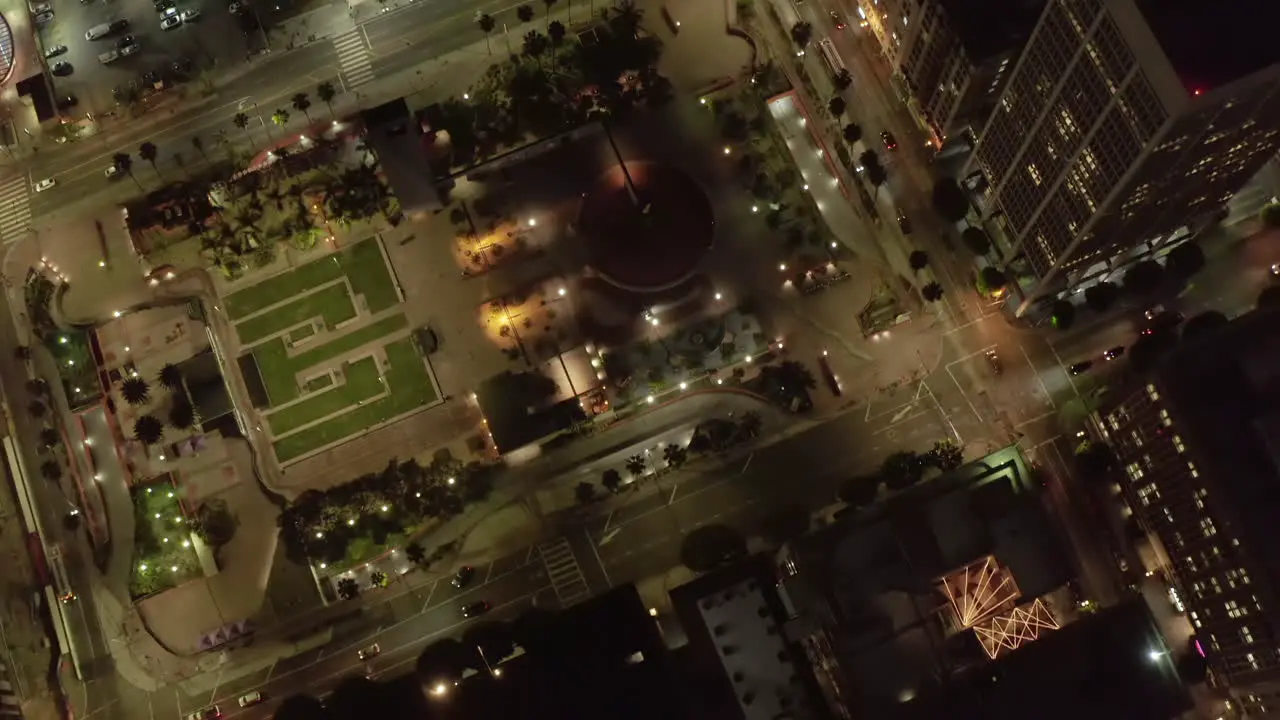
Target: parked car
[
  {"x": 45, "y": 184},
  {"x": 41, "y": 8},
  {"x": 55, "y": 51},
  {"x": 475, "y": 609},
  {"x": 190, "y": 14},
  {"x": 370, "y": 652},
  {"x": 44, "y": 18},
  {"x": 130, "y": 49},
  {"x": 170, "y": 22},
  {"x": 250, "y": 699},
  {"x": 126, "y": 41},
  {"x": 163, "y": 5},
  {"x": 994, "y": 360},
  {"x": 889, "y": 142},
  {"x": 1113, "y": 353},
  {"x": 210, "y": 713},
  {"x": 1082, "y": 366},
  {"x": 463, "y": 576},
  {"x": 68, "y": 101},
  {"x": 62, "y": 69}
]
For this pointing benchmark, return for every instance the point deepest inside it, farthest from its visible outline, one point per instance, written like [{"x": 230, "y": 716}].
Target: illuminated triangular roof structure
[
  {"x": 1011, "y": 630},
  {"x": 979, "y": 590}
]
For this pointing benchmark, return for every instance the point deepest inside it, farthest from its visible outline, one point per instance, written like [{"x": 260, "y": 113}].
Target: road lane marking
[
  {"x": 1035, "y": 419},
  {"x": 353, "y": 57},
  {"x": 430, "y": 595},
  {"x": 608, "y": 583},
  {"x": 563, "y": 571},
  {"x": 1036, "y": 373},
  {"x": 489, "y": 574},
  {"x": 965, "y": 395},
  {"x": 15, "y": 209}
]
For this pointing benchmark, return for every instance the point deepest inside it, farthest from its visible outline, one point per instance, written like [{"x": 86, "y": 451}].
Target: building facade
[
  {"x": 951, "y": 56},
  {"x": 1123, "y": 122},
  {"x": 1199, "y": 450}
]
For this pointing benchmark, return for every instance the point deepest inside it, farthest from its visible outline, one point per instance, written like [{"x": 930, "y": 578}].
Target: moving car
[
  {"x": 250, "y": 699},
  {"x": 889, "y": 142},
  {"x": 55, "y": 51},
  {"x": 829, "y": 376},
  {"x": 190, "y": 14},
  {"x": 62, "y": 69},
  {"x": 475, "y": 609},
  {"x": 170, "y": 22},
  {"x": 904, "y": 224},
  {"x": 1275, "y": 269},
  {"x": 839, "y": 22},
  {"x": 1163, "y": 321},
  {"x": 463, "y": 576},
  {"x": 112, "y": 172},
  {"x": 1113, "y": 353},
  {"x": 370, "y": 652},
  {"x": 1082, "y": 366},
  {"x": 210, "y": 713}
]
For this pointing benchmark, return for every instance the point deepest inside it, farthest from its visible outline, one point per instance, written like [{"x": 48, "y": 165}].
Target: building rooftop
[
  {"x": 1108, "y": 666},
  {"x": 1212, "y": 45},
  {"x": 739, "y": 662},
  {"x": 520, "y": 408},
  {"x": 1233, "y": 419},
  {"x": 993, "y": 28}
]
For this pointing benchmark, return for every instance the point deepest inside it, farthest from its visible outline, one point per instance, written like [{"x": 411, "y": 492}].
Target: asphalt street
[{"x": 395, "y": 42}]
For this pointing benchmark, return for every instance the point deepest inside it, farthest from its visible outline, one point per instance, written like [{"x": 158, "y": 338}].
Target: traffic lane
[
  {"x": 271, "y": 79},
  {"x": 387, "y": 33},
  {"x": 399, "y": 642}
]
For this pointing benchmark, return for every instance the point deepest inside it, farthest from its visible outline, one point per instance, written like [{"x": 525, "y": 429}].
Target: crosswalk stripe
[
  {"x": 15, "y": 208},
  {"x": 567, "y": 580},
  {"x": 353, "y": 57}
]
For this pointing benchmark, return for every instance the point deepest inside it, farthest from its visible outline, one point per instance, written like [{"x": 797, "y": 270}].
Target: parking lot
[{"x": 214, "y": 39}]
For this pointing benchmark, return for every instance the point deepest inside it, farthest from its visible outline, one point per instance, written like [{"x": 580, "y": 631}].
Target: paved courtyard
[{"x": 328, "y": 351}]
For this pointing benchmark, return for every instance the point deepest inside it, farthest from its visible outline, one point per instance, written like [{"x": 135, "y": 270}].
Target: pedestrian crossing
[
  {"x": 567, "y": 580},
  {"x": 15, "y": 208},
  {"x": 353, "y": 58}
]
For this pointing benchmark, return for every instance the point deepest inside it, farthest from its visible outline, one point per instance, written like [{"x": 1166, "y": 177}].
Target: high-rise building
[
  {"x": 1199, "y": 449},
  {"x": 951, "y": 55},
  {"x": 1123, "y": 122}
]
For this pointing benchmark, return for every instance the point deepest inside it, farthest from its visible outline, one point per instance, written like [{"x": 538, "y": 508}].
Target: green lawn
[
  {"x": 161, "y": 560},
  {"x": 279, "y": 371},
  {"x": 332, "y": 303},
  {"x": 363, "y": 383},
  {"x": 362, "y": 264},
  {"x": 409, "y": 386},
  {"x": 368, "y": 274}
]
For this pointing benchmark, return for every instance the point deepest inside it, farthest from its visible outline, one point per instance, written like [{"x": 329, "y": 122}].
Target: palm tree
[
  {"x": 301, "y": 103},
  {"x": 549, "y": 4},
  {"x": 535, "y": 44},
  {"x": 147, "y": 151},
  {"x": 837, "y": 106},
  {"x": 198, "y": 144},
  {"x": 585, "y": 492},
  {"x": 37, "y": 387},
  {"x": 49, "y": 437},
  {"x": 486, "y": 23},
  {"x": 124, "y": 163},
  {"x": 171, "y": 376},
  {"x": 932, "y": 291},
  {"x": 636, "y": 465},
  {"x": 525, "y": 13},
  {"x": 148, "y": 430},
  {"x": 852, "y": 133},
  {"x": 611, "y": 480},
  {"x": 182, "y": 415},
  {"x": 674, "y": 455},
  {"x": 242, "y": 121},
  {"x": 918, "y": 260},
  {"x": 280, "y": 117},
  {"x": 842, "y": 81},
  {"x": 556, "y": 32},
  {"x": 627, "y": 16},
  {"x": 415, "y": 553},
  {"x": 135, "y": 391},
  {"x": 802, "y": 33},
  {"x": 51, "y": 470},
  {"x": 326, "y": 92},
  {"x": 181, "y": 163}
]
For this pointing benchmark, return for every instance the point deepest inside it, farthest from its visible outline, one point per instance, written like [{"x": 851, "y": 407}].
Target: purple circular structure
[
  {"x": 652, "y": 241},
  {"x": 6, "y": 50}
]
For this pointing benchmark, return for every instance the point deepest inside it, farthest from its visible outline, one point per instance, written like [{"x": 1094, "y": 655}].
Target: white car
[
  {"x": 250, "y": 699},
  {"x": 130, "y": 49},
  {"x": 235, "y": 8},
  {"x": 190, "y": 14},
  {"x": 41, "y": 8},
  {"x": 45, "y": 184},
  {"x": 170, "y": 22}
]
